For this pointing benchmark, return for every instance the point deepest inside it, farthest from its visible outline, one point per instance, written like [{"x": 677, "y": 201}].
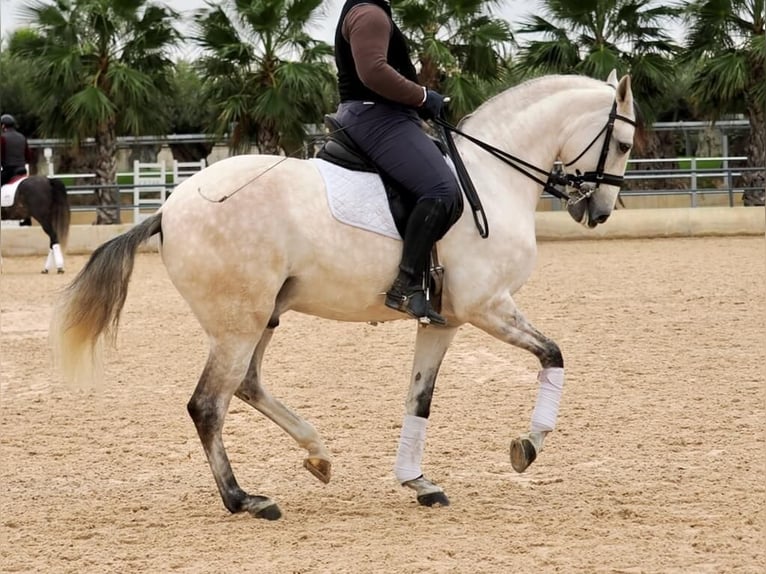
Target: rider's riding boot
[{"x": 427, "y": 223}]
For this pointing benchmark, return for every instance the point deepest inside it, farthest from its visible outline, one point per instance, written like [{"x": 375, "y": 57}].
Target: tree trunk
[
  {"x": 755, "y": 181},
  {"x": 108, "y": 197},
  {"x": 268, "y": 139},
  {"x": 77, "y": 160},
  {"x": 429, "y": 73}
]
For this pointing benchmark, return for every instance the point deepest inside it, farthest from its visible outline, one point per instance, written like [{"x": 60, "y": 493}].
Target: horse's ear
[
  {"x": 624, "y": 92},
  {"x": 612, "y": 79}
]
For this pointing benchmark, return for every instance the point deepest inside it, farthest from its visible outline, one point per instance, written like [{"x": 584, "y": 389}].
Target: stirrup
[{"x": 415, "y": 305}]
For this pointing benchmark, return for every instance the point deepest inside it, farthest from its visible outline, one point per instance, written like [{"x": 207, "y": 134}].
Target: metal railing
[
  {"x": 693, "y": 181},
  {"x": 692, "y": 178}
]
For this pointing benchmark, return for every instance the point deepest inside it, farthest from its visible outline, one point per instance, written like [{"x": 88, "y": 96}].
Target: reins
[
  {"x": 506, "y": 158},
  {"x": 576, "y": 181},
  {"x": 553, "y": 178},
  {"x": 465, "y": 179}
]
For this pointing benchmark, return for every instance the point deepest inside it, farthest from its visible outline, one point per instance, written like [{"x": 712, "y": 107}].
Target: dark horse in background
[{"x": 45, "y": 200}]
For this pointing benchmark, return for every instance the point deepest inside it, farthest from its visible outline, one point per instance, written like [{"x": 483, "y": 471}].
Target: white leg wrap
[
  {"x": 58, "y": 257},
  {"x": 412, "y": 442},
  {"x": 49, "y": 261},
  {"x": 548, "y": 397}
]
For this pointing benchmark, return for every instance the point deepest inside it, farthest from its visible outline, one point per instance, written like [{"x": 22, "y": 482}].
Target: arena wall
[
  {"x": 652, "y": 223},
  {"x": 551, "y": 226}
]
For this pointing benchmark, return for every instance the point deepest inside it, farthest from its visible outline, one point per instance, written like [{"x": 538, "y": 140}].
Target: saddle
[
  {"x": 339, "y": 149},
  {"x": 8, "y": 190}
]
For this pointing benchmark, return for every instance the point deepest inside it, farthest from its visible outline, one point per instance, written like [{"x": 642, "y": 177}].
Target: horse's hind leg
[
  {"x": 55, "y": 256},
  {"x": 253, "y": 392},
  {"x": 431, "y": 344},
  {"x": 55, "y": 259},
  {"x": 504, "y": 321},
  {"x": 226, "y": 367}
]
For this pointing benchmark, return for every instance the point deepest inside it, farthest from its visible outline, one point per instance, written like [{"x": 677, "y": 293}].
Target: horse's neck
[
  {"x": 530, "y": 123},
  {"x": 515, "y": 129}
]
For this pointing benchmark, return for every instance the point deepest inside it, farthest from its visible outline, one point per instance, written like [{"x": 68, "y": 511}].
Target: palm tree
[
  {"x": 189, "y": 112},
  {"x": 460, "y": 48},
  {"x": 102, "y": 67},
  {"x": 17, "y": 93},
  {"x": 592, "y": 37},
  {"x": 726, "y": 50},
  {"x": 264, "y": 75}
]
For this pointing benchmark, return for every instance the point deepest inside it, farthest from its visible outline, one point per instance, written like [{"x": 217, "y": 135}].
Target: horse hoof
[
  {"x": 427, "y": 493},
  {"x": 262, "y": 507},
  {"x": 44, "y": 272},
  {"x": 60, "y": 271},
  {"x": 523, "y": 453},
  {"x": 319, "y": 467},
  {"x": 433, "y": 499},
  {"x": 269, "y": 513}
]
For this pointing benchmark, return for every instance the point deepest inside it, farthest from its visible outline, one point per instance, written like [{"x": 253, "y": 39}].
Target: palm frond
[
  {"x": 88, "y": 109},
  {"x": 719, "y": 83}
]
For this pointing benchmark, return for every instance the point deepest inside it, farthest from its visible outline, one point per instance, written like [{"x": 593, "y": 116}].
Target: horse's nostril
[{"x": 601, "y": 218}]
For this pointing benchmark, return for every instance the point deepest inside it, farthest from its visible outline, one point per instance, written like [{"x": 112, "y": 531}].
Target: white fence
[{"x": 151, "y": 184}]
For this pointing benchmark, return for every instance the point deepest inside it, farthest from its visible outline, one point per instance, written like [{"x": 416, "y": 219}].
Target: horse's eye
[{"x": 624, "y": 147}]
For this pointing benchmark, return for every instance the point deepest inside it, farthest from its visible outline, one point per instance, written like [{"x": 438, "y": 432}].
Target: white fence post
[
  {"x": 185, "y": 169},
  {"x": 150, "y": 189}
]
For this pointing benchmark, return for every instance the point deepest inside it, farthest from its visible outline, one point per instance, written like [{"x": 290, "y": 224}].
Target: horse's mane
[{"x": 520, "y": 96}]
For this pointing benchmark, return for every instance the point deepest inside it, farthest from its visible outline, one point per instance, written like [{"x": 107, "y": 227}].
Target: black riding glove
[{"x": 433, "y": 105}]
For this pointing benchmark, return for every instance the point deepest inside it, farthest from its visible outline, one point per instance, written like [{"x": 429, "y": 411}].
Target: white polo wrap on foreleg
[
  {"x": 546, "y": 410},
  {"x": 412, "y": 443}
]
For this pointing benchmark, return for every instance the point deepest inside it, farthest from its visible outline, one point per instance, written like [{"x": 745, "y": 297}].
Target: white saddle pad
[
  {"x": 8, "y": 192},
  {"x": 357, "y": 198}
]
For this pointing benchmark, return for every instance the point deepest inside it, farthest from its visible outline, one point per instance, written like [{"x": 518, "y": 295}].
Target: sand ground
[{"x": 658, "y": 463}]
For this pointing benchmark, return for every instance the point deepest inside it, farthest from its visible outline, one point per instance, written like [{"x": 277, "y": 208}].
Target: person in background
[
  {"x": 381, "y": 108},
  {"x": 14, "y": 150}
]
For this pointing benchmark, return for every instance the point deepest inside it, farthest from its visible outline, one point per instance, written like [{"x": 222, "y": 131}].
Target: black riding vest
[
  {"x": 350, "y": 86},
  {"x": 15, "y": 146}
]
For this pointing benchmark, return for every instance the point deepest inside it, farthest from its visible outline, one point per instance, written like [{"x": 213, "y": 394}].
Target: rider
[
  {"x": 381, "y": 105},
  {"x": 14, "y": 150}
]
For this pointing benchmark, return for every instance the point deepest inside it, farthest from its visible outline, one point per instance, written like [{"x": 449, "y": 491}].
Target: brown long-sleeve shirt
[{"x": 367, "y": 29}]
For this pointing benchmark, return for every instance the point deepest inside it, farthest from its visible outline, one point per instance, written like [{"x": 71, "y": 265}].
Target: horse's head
[{"x": 596, "y": 155}]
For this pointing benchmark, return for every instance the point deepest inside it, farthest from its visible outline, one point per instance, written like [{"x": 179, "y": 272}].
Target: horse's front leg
[
  {"x": 504, "y": 321},
  {"x": 431, "y": 344}
]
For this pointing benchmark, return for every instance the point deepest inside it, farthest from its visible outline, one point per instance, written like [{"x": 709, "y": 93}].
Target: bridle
[
  {"x": 576, "y": 180},
  {"x": 599, "y": 176},
  {"x": 583, "y": 184}
]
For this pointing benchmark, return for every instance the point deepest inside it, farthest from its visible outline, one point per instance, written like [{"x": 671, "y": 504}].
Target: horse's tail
[
  {"x": 60, "y": 212},
  {"x": 89, "y": 308}
]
